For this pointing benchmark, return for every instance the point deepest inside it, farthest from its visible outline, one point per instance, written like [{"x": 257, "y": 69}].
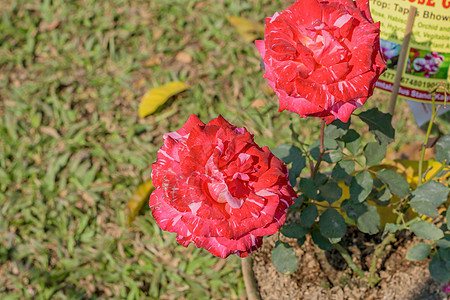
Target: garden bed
[{"x": 325, "y": 275}]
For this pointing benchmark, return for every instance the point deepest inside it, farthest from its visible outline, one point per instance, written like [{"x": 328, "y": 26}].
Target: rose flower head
[
  {"x": 322, "y": 58},
  {"x": 216, "y": 188}
]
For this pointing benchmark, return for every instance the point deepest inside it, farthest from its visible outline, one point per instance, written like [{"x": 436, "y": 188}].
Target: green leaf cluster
[{"x": 346, "y": 159}]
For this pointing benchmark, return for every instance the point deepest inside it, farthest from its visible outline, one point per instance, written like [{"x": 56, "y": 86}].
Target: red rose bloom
[
  {"x": 217, "y": 189},
  {"x": 322, "y": 58}
]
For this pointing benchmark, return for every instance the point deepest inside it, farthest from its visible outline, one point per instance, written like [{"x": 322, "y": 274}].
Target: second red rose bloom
[{"x": 322, "y": 58}]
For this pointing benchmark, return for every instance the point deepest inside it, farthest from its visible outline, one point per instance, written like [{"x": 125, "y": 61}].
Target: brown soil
[{"x": 325, "y": 275}]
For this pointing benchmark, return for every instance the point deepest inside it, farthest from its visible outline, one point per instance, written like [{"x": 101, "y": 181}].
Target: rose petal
[
  {"x": 261, "y": 48},
  {"x": 192, "y": 121},
  {"x": 328, "y": 75},
  {"x": 363, "y": 6},
  {"x": 304, "y": 12},
  {"x": 331, "y": 52},
  {"x": 165, "y": 215}
]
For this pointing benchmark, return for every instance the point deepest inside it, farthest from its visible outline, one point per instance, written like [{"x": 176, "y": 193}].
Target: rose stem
[
  {"x": 319, "y": 160},
  {"x": 379, "y": 251},
  {"x": 349, "y": 260},
  {"x": 249, "y": 278},
  {"x": 422, "y": 154}
]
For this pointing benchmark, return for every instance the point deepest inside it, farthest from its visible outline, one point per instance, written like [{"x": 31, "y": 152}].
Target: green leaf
[
  {"x": 331, "y": 192},
  {"x": 343, "y": 169},
  {"x": 369, "y": 221},
  {"x": 294, "y": 230},
  {"x": 395, "y": 182},
  {"x": 287, "y": 153},
  {"x": 321, "y": 241},
  {"x": 392, "y": 228},
  {"x": 444, "y": 242},
  {"x": 374, "y": 153},
  {"x": 354, "y": 209},
  {"x": 292, "y": 178},
  {"x": 352, "y": 141},
  {"x": 301, "y": 241},
  {"x": 314, "y": 149},
  {"x": 329, "y": 144},
  {"x": 380, "y": 124},
  {"x": 332, "y": 224},
  {"x": 309, "y": 215},
  {"x": 383, "y": 197},
  {"x": 443, "y": 149},
  {"x": 333, "y": 156},
  {"x": 366, "y": 215},
  {"x": 284, "y": 258},
  {"x": 297, "y": 166},
  {"x": 419, "y": 251},
  {"x": 427, "y": 197},
  {"x": 308, "y": 188},
  {"x": 361, "y": 186},
  {"x": 426, "y": 230},
  {"x": 336, "y": 129},
  {"x": 297, "y": 203},
  {"x": 440, "y": 267},
  {"x": 320, "y": 179},
  {"x": 425, "y": 208},
  {"x": 445, "y": 254},
  {"x": 378, "y": 183},
  {"x": 334, "y": 240}
]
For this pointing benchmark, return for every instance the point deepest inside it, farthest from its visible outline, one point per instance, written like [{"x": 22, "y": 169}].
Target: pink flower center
[
  {"x": 220, "y": 193},
  {"x": 227, "y": 189}
]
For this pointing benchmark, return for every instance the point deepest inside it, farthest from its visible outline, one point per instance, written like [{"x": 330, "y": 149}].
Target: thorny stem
[
  {"x": 422, "y": 154},
  {"x": 349, "y": 260},
  {"x": 411, "y": 221},
  {"x": 322, "y": 135},
  {"x": 379, "y": 251},
  {"x": 319, "y": 160},
  {"x": 311, "y": 166},
  {"x": 337, "y": 246}
]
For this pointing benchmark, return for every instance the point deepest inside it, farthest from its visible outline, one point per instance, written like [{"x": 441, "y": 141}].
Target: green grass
[{"x": 72, "y": 148}]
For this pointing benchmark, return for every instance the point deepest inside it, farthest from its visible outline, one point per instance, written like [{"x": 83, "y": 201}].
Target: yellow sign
[{"x": 428, "y": 58}]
